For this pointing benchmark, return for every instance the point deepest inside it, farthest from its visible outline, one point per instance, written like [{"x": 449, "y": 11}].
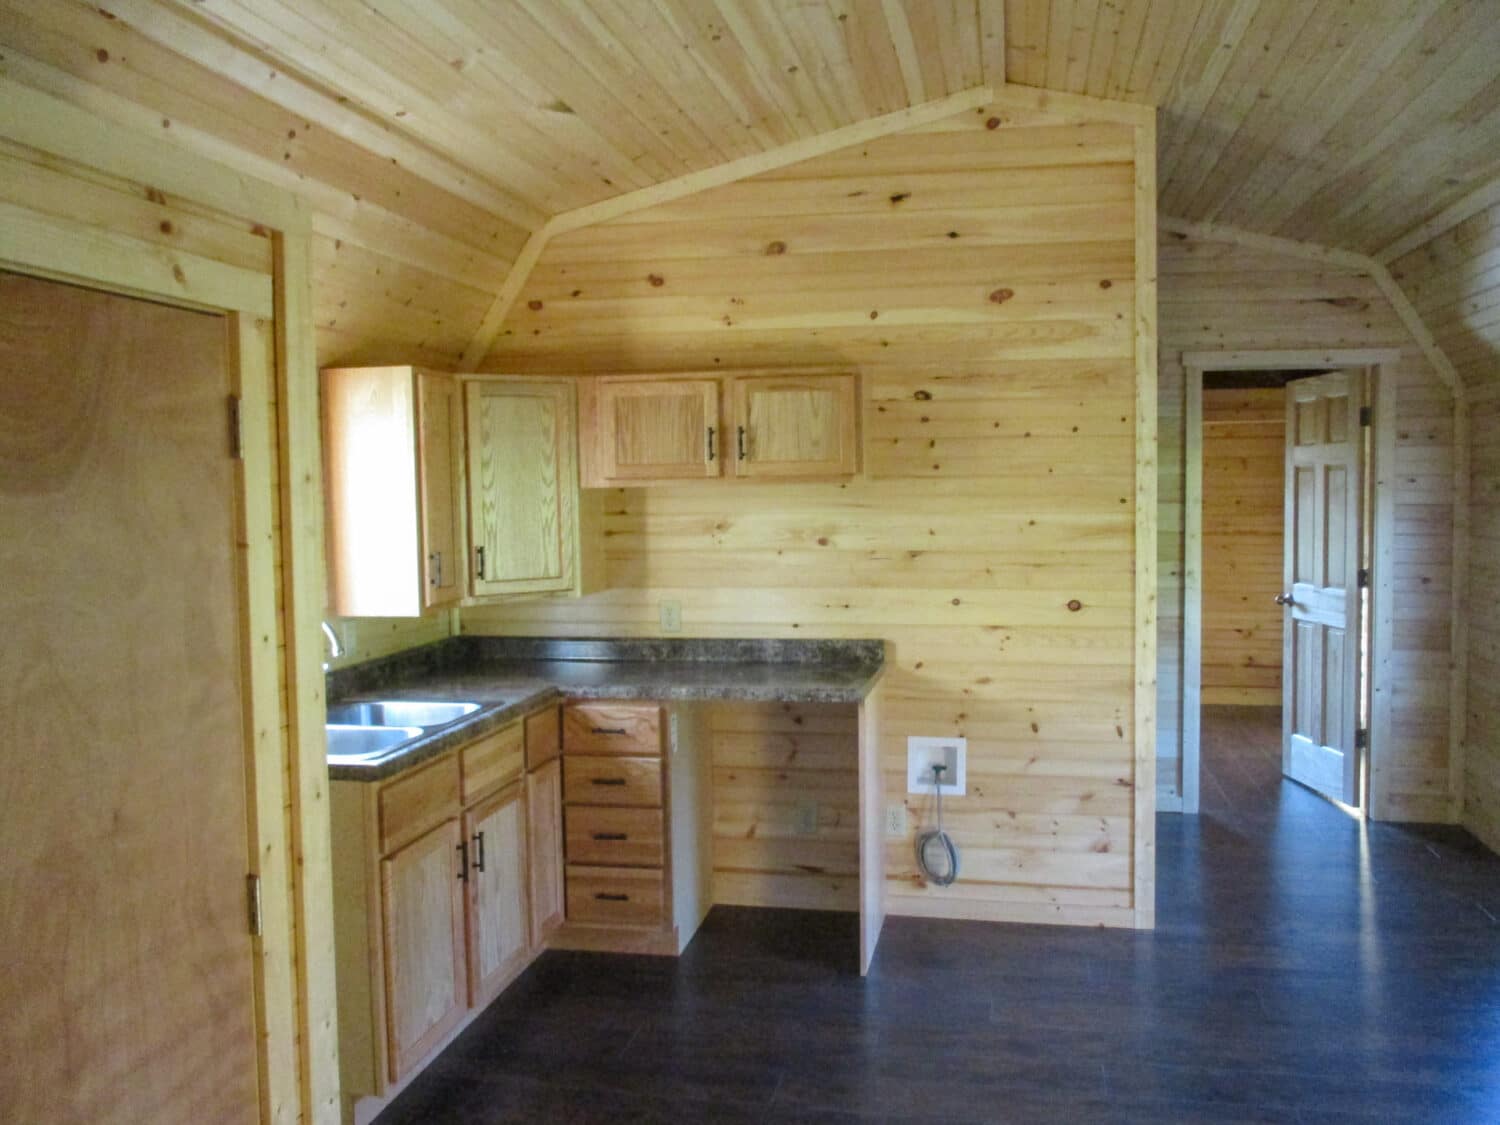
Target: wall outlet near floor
[
  {"x": 895, "y": 821},
  {"x": 923, "y": 753},
  {"x": 671, "y": 616},
  {"x": 805, "y": 822}
]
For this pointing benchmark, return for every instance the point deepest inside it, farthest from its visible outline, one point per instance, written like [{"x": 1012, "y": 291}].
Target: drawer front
[
  {"x": 616, "y": 896},
  {"x": 411, "y": 805},
  {"x": 612, "y": 780},
  {"x": 614, "y": 837},
  {"x": 543, "y": 737},
  {"x": 493, "y": 761},
  {"x": 612, "y": 728}
]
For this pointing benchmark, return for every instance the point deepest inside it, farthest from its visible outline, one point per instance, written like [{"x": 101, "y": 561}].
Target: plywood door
[
  {"x": 499, "y": 933},
  {"x": 422, "y": 922},
  {"x": 545, "y": 844},
  {"x": 522, "y": 485},
  {"x": 128, "y": 983},
  {"x": 439, "y": 450},
  {"x": 788, "y": 426},
  {"x": 1321, "y": 653},
  {"x": 658, "y": 430}
]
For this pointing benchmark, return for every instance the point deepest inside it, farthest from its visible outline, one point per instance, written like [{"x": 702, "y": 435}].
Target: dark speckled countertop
[{"x": 512, "y": 676}]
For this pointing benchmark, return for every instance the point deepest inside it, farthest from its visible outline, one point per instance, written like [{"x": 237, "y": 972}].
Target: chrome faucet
[{"x": 335, "y": 646}]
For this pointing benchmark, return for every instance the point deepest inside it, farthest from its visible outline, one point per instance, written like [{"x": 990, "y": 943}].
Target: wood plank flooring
[{"x": 1305, "y": 969}]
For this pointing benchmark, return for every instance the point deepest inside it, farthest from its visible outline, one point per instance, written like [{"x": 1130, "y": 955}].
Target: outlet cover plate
[
  {"x": 671, "y": 616},
  {"x": 895, "y": 821},
  {"x": 923, "y": 753}
]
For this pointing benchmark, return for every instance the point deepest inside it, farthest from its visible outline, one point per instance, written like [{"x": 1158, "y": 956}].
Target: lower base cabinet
[
  {"x": 499, "y": 933},
  {"x": 544, "y": 812}
]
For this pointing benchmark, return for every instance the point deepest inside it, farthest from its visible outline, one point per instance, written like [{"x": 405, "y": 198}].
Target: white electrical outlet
[
  {"x": 806, "y": 822},
  {"x": 895, "y": 820},
  {"x": 671, "y": 616},
  {"x": 950, "y": 753}
]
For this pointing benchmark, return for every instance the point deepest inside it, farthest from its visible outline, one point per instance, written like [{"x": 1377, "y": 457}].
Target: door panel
[
  {"x": 128, "y": 988},
  {"x": 795, "y": 426},
  {"x": 499, "y": 934},
  {"x": 440, "y": 445},
  {"x": 658, "y": 430},
  {"x": 1323, "y": 513},
  {"x": 545, "y": 840}
]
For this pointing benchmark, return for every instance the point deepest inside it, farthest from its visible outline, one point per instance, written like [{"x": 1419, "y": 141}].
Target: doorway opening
[{"x": 1285, "y": 520}]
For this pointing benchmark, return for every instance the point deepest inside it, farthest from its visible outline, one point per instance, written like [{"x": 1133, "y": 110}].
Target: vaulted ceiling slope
[{"x": 433, "y": 135}]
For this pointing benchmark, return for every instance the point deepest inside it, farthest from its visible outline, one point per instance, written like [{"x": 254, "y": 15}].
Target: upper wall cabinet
[
  {"x": 661, "y": 429},
  {"x": 392, "y": 449},
  {"x": 524, "y": 509}
]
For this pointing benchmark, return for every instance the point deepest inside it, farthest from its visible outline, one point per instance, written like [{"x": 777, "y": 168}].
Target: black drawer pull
[
  {"x": 610, "y": 836},
  {"x": 606, "y": 781},
  {"x": 609, "y": 730},
  {"x": 606, "y": 897}
]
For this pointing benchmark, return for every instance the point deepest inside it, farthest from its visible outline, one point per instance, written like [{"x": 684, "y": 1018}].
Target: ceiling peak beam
[
  {"x": 1480, "y": 199},
  {"x": 694, "y": 182}
]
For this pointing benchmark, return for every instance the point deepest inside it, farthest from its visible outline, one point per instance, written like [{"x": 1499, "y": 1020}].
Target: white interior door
[{"x": 1321, "y": 646}]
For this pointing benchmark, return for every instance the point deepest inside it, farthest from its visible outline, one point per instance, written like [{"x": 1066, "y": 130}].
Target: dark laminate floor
[{"x": 1303, "y": 970}]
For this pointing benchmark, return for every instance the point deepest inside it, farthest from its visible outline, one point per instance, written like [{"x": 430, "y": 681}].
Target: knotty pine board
[
  {"x": 990, "y": 537},
  {"x": 1218, "y": 294}
]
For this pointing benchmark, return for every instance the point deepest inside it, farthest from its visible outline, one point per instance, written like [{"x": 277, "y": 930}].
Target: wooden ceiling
[{"x": 1346, "y": 122}]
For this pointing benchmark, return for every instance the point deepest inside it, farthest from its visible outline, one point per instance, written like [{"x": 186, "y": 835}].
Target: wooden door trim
[
  {"x": 1381, "y": 364},
  {"x": 294, "y": 956}
]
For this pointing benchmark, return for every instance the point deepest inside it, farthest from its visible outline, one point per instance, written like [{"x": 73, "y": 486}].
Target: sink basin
[
  {"x": 357, "y": 743},
  {"x": 398, "y": 713}
]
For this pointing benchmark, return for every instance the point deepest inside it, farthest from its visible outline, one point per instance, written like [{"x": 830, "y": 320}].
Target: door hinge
[
  {"x": 1364, "y": 578},
  {"x": 1361, "y": 739},
  {"x": 1365, "y": 416},
  {"x": 236, "y": 436},
  {"x": 252, "y": 904}
]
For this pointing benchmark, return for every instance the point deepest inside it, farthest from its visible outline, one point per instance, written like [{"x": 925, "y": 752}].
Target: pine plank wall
[
  {"x": 1220, "y": 294},
  {"x": 981, "y": 279}
]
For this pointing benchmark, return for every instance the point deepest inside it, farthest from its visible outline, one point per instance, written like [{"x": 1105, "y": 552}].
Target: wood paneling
[
  {"x": 990, "y": 537},
  {"x": 1243, "y": 452},
  {"x": 1482, "y": 749},
  {"x": 1216, "y": 293}
]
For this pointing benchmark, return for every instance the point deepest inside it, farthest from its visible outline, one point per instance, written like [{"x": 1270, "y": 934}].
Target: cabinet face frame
[
  {"x": 845, "y": 420},
  {"x": 702, "y": 458},
  {"x": 565, "y": 482},
  {"x": 440, "y": 450}
]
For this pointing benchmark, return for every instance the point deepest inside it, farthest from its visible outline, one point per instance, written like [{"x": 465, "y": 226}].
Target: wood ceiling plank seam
[
  {"x": 898, "y": 30},
  {"x": 1126, "y": 43},
  {"x": 1352, "y": 143},
  {"x": 704, "y": 101},
  {"x": 1039, "y": 23},
  {"x": 961, "y": 43},
  {"x": 990, "y": 22},
  {"x": 1163, "y": 46},
  {"x": 833, "y": 68},
  {"x": 1217, "y": 154},
  {"x": 874, "y": 56},
  {"x": 242, "y": 140},
  {"x": 1091, "y": 20},
  {"x": 804, "y": 114},
  {"x": 1019, "y": 45},
  {"x": 1059, "y": 37},
  {"x": 374, "y": 91},
  {"x": 211, "y": 47},
  {"x": 807, "y": 69},
  {"x": 935, "y": 42},
  {"x": 1468, "y": 147},
  {"x": 537, "y": 124},
  {"x": 1171, "y": 64},
  {"x": 412, "y": 243}
]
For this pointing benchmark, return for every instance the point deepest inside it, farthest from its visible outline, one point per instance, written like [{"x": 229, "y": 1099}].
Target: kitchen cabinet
[
  {"x": 392, "y": 466},
  {"x": 544, "y": 813},
  {"x": 523, "y": 503},
  {"x": 749, "y": 425},
  {"x": 498, "y": 928}
]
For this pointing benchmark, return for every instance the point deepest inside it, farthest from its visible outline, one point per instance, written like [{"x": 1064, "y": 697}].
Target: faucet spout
[{"x": 335, "y": 646}]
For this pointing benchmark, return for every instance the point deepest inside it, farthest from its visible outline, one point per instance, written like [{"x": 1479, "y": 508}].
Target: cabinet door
[
  {"x": 545, "y": 840},
  {"x": 657, "y": 430},
  {"x": 523, "y": 486},
  {"x": 439, "y": 449},
  {"x": 796, "y": 426},
  {"x": 422, "y": 915},
  {"x": 499, "y": 934}
]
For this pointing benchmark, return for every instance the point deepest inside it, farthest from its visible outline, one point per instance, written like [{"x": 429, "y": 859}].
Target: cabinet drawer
[
  {"x": 410, "y": 805},
  {"x": 492, "y": 762},
  {"x": 609, "y": 837},
  {"x": 543, "y": 737},
  {"x": 612, "y": 728},
  {"x": 612, "y": 780},
  {"x": 615, "y": 896}
]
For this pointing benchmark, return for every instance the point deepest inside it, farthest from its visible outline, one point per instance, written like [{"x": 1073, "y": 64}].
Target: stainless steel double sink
[{"x": 365, "y": 730}]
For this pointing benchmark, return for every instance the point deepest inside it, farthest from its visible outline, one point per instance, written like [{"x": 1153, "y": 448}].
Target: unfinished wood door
[
  {"x": 795, "y": 426},
  {"x": 522, "y": 486},
  {"x": 440, "y": 440},
  {"x": 499, "y": 934},
  {"x": 658, "y": 430},
  {"x": 422, "y": 922},
  {"x": 128, "y": 986},
  {"x": 1321, "y": 646},
  {"x": 545, "y": 845}
]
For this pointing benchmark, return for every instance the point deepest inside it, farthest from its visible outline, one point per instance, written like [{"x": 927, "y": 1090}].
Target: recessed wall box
[{"x": 923, "y": 753}]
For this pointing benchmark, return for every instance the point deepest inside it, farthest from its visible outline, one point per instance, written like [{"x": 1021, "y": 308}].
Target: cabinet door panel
[
  {"x": 499, "y": 933},
  {"x": 795, "y": 426},
  {"x": 522, "y": 486},
  {"x": 545, "y": 841},
  {"x": 658, "y": 430},
  {"x": 422, "y": 914},
  {"x": 440, "y": 447}
]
